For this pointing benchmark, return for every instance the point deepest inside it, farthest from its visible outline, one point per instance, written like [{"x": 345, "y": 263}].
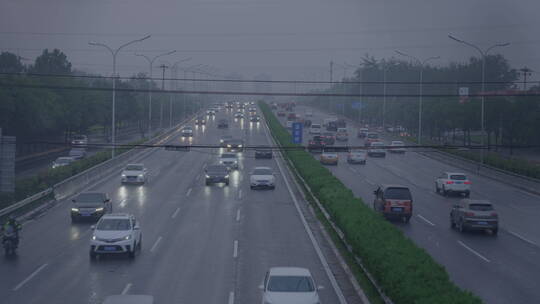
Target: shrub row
[{"x": 405, "y": 272}]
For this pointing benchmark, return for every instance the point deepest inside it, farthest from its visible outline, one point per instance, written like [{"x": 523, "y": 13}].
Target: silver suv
[{"x": 471, "y": 214}]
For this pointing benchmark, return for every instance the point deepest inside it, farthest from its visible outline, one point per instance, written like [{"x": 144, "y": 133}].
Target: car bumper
[
  {"x": 457, "y": 189},
  {"x": 132, "y": 180},
  {"x": 101, "y": 247},
  {"x": 479, "y": 224},
  {"x": 329, "y": 162},
  {"x": 231, "y": 166},
  {"x": 87, "y": 216},
  {"x": 377, "y": 154},
  {"x": 217, "y": 180},
  {"x": 255, "y": 185}
]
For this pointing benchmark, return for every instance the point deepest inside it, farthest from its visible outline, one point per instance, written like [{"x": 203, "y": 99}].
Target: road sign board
[
  {"x": 356, "y": 105},
  {"x": 297, "y": 132}
]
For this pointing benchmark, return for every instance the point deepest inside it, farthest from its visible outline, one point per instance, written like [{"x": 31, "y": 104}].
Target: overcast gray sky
[{"x": 287, "y": 39}]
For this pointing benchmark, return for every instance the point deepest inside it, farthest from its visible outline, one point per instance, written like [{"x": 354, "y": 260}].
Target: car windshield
[
  {"x": 261, "y": 171},
  {"x": 397, "y": 193},
  {"x": 228, "y": 155},
  {"x": 373, "y": 135},
  {"x": 397, "y": 143},
  {"x": 134, "y": 167},
  {"x": 114, "y": 224},
  {"x": 90, "y": 198},
  {"x": 481, "y": 207},
  {"x": 216, "y": 169},
  {"x": 458, "y": 177},
  {"x": 290, "y": 284}
]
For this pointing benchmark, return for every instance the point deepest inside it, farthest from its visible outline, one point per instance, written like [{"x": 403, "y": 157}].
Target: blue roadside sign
[
  {"x": 297, "y": 132},
  {"x": 356, "y": 105}
]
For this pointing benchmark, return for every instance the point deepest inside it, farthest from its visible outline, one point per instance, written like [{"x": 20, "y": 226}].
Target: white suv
[
  {"x": 116, "y": 233},
  {"x": 135, "y": 173},
  {"x": 289, "y": 285},
  {"x": 450, "y": 182},
  {"x": 315, "y": 129}
]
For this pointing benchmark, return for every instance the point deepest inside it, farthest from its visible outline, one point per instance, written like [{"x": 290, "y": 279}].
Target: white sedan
[
  {"x": 289, "y": 285},
  {"x": 229, "y": 159},
  {"x": 116, "y": 233},
  {"x": 396, "y": 147},
  {"x": 135, "y": 173},
  {"x": 262, "y": 177}
]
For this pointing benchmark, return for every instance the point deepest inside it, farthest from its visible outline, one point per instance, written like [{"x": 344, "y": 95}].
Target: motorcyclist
[{"x": 12, "y": 225}]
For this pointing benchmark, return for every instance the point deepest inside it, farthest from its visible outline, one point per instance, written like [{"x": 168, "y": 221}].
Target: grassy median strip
[{"x": 405, "y": 272}]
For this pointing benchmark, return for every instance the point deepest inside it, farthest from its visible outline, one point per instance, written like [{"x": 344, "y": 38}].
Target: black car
[
  {"x": 255, "y": 118},
  {"x": 200, "y": 120},
  {"x": 217, "y": 174},
  {"x": 263, "y": 153},
  {"x": 235, "y": 145},
  {"x": 223, "y": 124},
  {"x": 90, "y": 205},
  {"x": 316, "y": 144},
  {"x": 224, "y": 140},
  {"x": 332, "y": 126}
]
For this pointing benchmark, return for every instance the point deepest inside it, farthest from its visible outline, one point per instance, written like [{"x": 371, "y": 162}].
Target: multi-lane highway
[
  {"x": 502, "y": 269},
  {"x": 201, "y": 244}
]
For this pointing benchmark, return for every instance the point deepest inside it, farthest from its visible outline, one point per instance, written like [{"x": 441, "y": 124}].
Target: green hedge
[
  {"x": 406, "y": 273},
  {"x": 28, "y": 186}
]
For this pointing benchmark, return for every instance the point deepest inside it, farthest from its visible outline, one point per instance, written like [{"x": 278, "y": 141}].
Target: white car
[
  {"x": 450, "y": 182},
  {"x": 229, "y": 159},
  {"x": 342, "y": 134},
  {"x": 396, "y": 147},
  {"x": 135, "y": 173},
  {"x": 315, "y": 129},
  {"x": 376, "y": 149},
  {"x": 289, "y": 285},
  {"x": 262, "y": 177},
  {"x": 62, "y": 161},
  {"x": 116, "y": 233},
  {"x": 309, "y": 114}
]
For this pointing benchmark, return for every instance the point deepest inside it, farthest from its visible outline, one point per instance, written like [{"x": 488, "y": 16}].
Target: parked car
[
  {"x": 229, "y": 159},
  {"x": 357, "y": 157},
  {"x": 263, "y": 153},
  {"x": 77, "y": 153},
  {"x": 90, "y": 205},
  {"x": 216, "y": 174},
  {"x": 200, "y": 120},
  {"x": 471, "y": 214},
  {"x": 393, "y": 201},
  {"x": 289, "y": 285},
  {"x": 396, "y": 147},
  {"x": 376, "y": 149},
  {"x": 262, "y": 177},
  {"x": 316, "y": 144},
  {"x": 342, "y": 134},
  {"x": 329, "y": 158},
  {"x": 62, "y": 161},
  {"x": 223, "y": 124},
  {"x": 134, "y": 173},
  {"x": 450, "y": 182},
  {"x": 315, "y": 129},
  {"x": 371, "y": 137},
  {"x": 362, "y": 132},
  {"x": 329, "y": 138},
  {"x": 116, "y": 233}
]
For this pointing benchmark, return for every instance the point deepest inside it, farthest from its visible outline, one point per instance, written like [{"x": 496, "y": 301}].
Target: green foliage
[{"x": 406, "y": 272}]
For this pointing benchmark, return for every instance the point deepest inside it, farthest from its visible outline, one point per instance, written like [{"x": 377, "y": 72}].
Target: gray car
[
  {"x": 90, "y": 205},
  {"x": 217, "y": 174},
  {"x": 471, "y": 214}
]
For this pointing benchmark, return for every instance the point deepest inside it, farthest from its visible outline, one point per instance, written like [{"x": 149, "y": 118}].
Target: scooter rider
[{"x": 12, "y": 225}]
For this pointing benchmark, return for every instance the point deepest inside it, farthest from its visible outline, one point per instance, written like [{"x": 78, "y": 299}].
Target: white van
[{"x": 315, "y": 129}]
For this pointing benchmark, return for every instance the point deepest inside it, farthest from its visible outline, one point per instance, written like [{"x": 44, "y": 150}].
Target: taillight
[
  {"x": 449, "y": 182},
  {"x": 407, "y": 203},
  {"x": 467, "y": 183},
  {"x": 469, "y": 214}
]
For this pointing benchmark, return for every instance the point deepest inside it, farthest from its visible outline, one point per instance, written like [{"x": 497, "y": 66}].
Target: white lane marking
[
  {"x": 522, "y": 238},
  {"x": 235, "y": 249},
  {"x": 176, "y": 213},
  {"x": 188, "y": 192},
  {"x": 316, "y": 246},
  {"x": 528, "y": 193},
  {"x": 425, "y": 219},
  {"x": 156, "y": 244},
  {"x": 240, "y": 194},
  {"x": 123, "y": 203},
  {"x": 21, "y": 284},
  {"x": 474, "y": 252},
  {"x": 369, "y": 182},
  {"x": 231, "y": 298},
  {"x": 127, "y": 288},
  {"x": 238, "y": 215}
]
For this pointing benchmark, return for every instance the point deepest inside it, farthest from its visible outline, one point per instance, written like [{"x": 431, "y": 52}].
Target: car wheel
[
  {"x": 93, "y": 255},
  {"x": 494, "y": 231},
  {"x": 131, "y": 253},
  {"x": 444, "y": 192},
  {"x": 452, "y": 224},
  {"x": 467, "y": 194},
  {"x": 460, "y": 226},
  {"x": 227, "y": 183},
  {"x": 406, "y": 219},
  {"x": 437, "y": 188},
  {"x": 273, "y": 187},
  {"x": 207, "y": 183}
]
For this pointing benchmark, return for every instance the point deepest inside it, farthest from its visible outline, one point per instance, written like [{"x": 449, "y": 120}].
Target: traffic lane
[{"x": 80, "y": 246}]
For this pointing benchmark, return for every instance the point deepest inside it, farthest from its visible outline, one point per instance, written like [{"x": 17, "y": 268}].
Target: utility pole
[
  {"x": 331, "y": 84},
  {"x": 162, "y": 67},
  {"x": 526, "y": 72}
]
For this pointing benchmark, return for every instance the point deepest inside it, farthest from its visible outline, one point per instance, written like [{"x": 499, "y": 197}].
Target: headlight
[
  {"x": 227, "y": 176},
  {"x": 239, "y": 146},
  {"x": 75, "y": 209},
  {"x": 123, "y": 175},
  {"x": 207, "y": 176},
  {"x": 228, "y": 146},
  {"x": 99, "y": 209},
  {"x": 221, "y": 140},
  {"x": 140, "y": 175},
  {"x": 127, "y": 237},
  {"x": 93, "y": 237}
]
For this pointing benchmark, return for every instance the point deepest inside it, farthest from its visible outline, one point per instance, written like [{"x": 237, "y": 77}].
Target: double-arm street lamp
[
  {"x": 114, "y": 52},
  {"x": 150, "y": 81},
  {"x": 483, "y": 53},
  {"x": 422, "y": 64}
]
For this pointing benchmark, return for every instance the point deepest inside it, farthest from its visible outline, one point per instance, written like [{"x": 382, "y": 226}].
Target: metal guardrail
[{"x": 77, "y": 182}]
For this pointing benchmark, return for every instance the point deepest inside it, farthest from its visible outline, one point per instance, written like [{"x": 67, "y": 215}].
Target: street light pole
[
  {"x": 483, "y": 54},
  {"x": 114, "y": 53},
  {"x": 150, "y": 81},
  {"x": 174, "y": 70},
  {"x": 422, "y": 64}
]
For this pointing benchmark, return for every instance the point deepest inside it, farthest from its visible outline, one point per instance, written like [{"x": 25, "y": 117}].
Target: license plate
[
  {"x": 109, "y": 248},
  {"x": 459, "y": 183},
  {"x": 86, "y": 214},
  {"x": 482, "y": 223},
  {"x": 397, "y": 209}
]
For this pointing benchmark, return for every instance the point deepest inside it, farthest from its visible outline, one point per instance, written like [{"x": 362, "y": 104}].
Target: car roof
[
  {"x": 129, "y": 299},
  {"x": 135, "y": 164},
  {"x": 289, "y": 271},
  {"x": 117, "y": 216},
  {"x": 228, "y": 154},
  {"x": 262, "y": 168},
  {"x": 386, "y": 186},
  {"x": 455, "y": 173}
]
